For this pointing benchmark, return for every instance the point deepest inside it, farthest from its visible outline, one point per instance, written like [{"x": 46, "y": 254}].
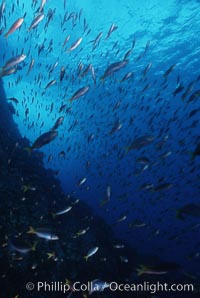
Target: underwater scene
[{"x": 99, "y": 148}]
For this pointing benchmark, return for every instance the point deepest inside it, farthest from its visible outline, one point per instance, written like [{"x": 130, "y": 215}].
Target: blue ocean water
[{"x": 137, "y": 190}]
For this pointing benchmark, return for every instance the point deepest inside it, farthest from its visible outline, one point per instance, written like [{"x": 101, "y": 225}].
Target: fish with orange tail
[
  {"x": 79, "y": 93},
  {"x": 16, "y": 25},
  {"x": 91, "y": 252},
  {"x": 36, "y": 21},
  {"x": 42, "y": 140}
]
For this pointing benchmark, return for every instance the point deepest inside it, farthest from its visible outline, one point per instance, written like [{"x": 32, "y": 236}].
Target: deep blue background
[{"x": 173, "y": 31}]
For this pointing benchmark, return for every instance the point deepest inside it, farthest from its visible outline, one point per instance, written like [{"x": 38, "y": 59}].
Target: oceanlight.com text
[{"x": 151, "y": 287}]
